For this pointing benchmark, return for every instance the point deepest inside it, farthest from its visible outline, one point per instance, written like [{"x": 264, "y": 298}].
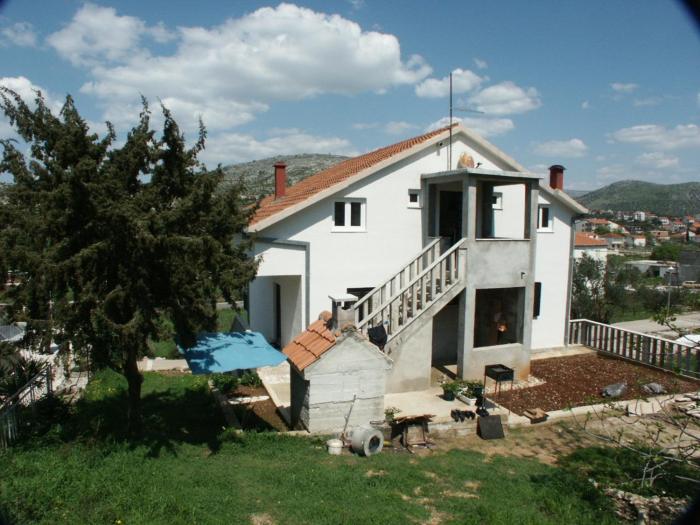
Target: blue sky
[{"x": 610, "y": 89}]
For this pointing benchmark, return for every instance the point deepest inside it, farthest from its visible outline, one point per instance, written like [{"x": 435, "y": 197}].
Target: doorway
[{"x": 450, "y": 224}]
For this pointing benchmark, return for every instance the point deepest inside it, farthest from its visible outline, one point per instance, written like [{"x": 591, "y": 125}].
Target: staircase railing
[
  {"x": 368, "y": 304},
  {"x": 418, "y": 294}
]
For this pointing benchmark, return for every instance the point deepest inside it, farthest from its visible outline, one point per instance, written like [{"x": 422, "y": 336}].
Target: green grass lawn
[{"x": 187, "y": 469}]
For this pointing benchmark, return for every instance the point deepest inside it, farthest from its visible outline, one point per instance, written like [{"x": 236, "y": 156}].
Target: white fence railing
[
  {"x": 636, "y": 346},
  {"x": 12, "y": 408}
]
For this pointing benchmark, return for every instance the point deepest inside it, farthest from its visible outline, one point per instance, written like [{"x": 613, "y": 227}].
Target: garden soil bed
[
  {"x": 578, "y": 380},
  {"x": 262, "y": 415}
]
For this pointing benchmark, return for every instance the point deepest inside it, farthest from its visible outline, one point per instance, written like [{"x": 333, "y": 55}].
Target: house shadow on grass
[{"x": 175, "y": 410}]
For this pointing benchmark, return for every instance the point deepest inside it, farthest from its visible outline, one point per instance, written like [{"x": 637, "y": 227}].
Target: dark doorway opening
[
  {"x": 278, "y": 313},
  {"x": 451, "y": 215}
]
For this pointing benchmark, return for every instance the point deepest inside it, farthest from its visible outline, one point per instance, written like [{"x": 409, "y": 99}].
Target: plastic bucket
[{"x": 335, "y": 447}]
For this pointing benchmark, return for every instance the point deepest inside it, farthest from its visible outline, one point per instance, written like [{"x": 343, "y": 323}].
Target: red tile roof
[
  {"x": 310, "y": 345},
  {"x": 327, "y": 178},
  {"x": 586, "y": 240}
]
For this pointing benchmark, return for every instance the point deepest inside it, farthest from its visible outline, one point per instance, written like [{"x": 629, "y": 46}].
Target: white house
[
  {"x": 459, "y": 252},
  {"x": 590, "y": 245}
]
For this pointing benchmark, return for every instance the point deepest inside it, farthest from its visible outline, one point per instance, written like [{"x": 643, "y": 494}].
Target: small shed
[{"x": 332, "y": 372}]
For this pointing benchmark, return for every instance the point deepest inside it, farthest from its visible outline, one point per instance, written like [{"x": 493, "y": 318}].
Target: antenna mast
[{"x": 449, "y": 144}]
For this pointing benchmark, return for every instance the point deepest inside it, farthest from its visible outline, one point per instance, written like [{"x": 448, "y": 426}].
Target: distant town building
[
  {"x": 640, "y": 216},
  {"x": 590, "y": 245}
]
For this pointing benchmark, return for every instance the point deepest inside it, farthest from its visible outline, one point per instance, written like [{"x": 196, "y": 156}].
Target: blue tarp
[{"x": 224, "y": 352}]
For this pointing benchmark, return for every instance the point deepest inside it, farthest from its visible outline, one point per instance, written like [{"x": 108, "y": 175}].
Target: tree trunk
[{"x": 135, "y": 379}]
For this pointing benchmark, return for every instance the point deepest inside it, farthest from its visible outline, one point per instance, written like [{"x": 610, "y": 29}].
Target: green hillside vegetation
[
  {"x": 630, "y": 195},
  {"x": 258, "y": 175}
]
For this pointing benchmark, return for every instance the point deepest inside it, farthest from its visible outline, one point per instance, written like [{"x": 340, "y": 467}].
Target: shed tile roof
[
  {"x": 307, "y": 347},
  {"x": 586, "y": 240},
  {"x": 323, "y": 180}
]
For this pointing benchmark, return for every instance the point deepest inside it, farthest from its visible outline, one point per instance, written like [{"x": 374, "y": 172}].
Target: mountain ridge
[{"x": 632, "y": 195}]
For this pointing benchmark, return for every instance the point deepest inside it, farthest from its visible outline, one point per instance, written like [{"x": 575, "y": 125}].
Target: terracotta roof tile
[
  {"x": 309, "y": 345},
  {"x": 327, "y": 178},
  {"x": 586, "y": 240}
]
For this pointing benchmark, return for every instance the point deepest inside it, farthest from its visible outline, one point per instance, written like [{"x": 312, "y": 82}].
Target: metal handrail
[
  {"x": 412, "y": 283},
  {"x": 423, "y": 251}
]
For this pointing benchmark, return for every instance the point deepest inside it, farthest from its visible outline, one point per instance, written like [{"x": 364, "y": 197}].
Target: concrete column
[{"x": 532, "y": 194}]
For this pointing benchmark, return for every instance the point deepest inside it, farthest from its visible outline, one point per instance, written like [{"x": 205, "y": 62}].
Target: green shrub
[
  {"x": 225, "y": 382},
  {"x": 251, "y": 378}
]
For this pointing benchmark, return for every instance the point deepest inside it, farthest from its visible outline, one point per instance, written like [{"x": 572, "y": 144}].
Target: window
[
  {"x": 349, "y": 215},
  {"x": 497, "y": 200},
  {"x": 537, "y": 300},
  {"x": 544, "y": 220},
  {"x": 414, "y": 199}
]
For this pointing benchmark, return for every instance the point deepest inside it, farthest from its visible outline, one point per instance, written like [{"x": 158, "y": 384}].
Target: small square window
[
  {"x": 544, "y": 220},
  {"x": 414, "y": 199},
  {"x": 497, "y": 200},
  {"x": 349, "y": 215}
]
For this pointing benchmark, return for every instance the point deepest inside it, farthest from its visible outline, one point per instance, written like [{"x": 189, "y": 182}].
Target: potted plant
[
  {"x": 450, "y": 389},
  {"x": 390, "y": 414},
  {"x": 475, "y": 389}
]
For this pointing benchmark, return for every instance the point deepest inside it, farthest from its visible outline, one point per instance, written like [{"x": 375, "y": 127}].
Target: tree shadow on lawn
[{"x": 172, "y": 414}]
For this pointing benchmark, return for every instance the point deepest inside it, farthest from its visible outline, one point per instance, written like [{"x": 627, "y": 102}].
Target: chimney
[
  {"x": 342, "y": 312},
  {"x": 556, "y": 177},
  {"x": 280, "y": 179}
]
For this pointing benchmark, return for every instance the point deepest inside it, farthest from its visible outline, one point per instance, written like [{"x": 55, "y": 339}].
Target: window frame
[
  {"x": 347, "y": 227},
  {"x": 497, "y": 200},
  {"x": 419, "y": 198},
  {"x": 550, "y": 223}
]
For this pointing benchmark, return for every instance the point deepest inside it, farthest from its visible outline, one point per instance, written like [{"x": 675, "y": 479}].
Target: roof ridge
[{"x": 337, "y": 173}]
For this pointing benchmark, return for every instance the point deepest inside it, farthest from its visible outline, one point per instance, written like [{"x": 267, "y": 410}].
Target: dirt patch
[
  {"x": 375, "y": 473},
  {"x": 578, "y": 380},
  {"x": 545, "y": 443},
  {"x": 261, "y": 415},
  {"x": 261, "y": 519}
]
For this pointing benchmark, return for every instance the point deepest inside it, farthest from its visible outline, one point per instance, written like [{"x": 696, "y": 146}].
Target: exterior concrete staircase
[{"x": 417, "y": 291}]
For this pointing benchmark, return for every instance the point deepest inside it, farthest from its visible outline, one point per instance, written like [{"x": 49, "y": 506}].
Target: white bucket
[{"x": 335, "y": 446}]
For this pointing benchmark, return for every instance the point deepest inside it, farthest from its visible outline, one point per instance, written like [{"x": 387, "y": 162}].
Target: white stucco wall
[
  {"x": 599, "y": 253},
  {"x": 393, "y": 234},
  {"x": 552, "y": 270}
]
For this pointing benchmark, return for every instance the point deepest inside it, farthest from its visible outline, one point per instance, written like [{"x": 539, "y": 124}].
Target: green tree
[
  {"x": 667, "y": 251},
  {"x": 111, "y": 239},
  {"x": 598, "y": 287}
]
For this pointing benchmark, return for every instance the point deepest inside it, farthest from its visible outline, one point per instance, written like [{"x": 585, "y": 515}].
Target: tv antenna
[{"x": 465, "y": 110}]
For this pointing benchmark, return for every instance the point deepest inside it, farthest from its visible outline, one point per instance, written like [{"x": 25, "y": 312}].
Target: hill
[
  {"x": 258, "y": 175},
  {"x": 663, "y": 199}
]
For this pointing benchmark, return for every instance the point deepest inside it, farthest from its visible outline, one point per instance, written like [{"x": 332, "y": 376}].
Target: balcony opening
[
  {"x": 502, "y": 210},
  {"x": 498, "y": 316}
]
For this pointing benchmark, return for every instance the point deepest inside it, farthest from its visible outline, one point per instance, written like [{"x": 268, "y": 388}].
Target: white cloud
[
  {"x": 357, "y": 4},
  {"x": 698, "y": 98},
  {"x": 19, "y": 34},
  {"x": 463, "y": 81},
  {"x": 229, "y": 148},
  {"x": 656, "y": 159},
  {"x": 230, "y": 72},
  {"x": 585, "y": 104},
  {"x": 660, "y": 137},
  {"x": 621, "y": 87},
  {"x": 481, "y": 64},
  {"x": 486, "y": 127},
  {"x": 97, "y": 33},
  {"x": 571, "y": 148},
  {"x": 506, "y": 98}
]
